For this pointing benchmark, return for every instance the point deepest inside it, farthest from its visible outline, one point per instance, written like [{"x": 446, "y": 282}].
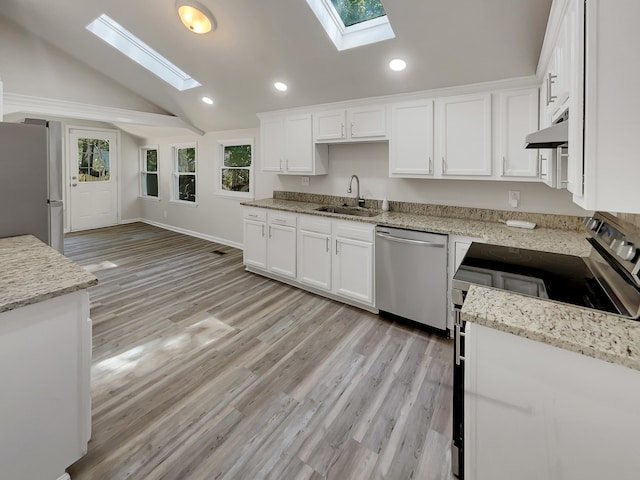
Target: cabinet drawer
[
  {"x": 310, "y": 223},
  {"x": 355, "y": 231},
  {"x": 283, "y": 218},
  {"x": 257, "y": 214}
]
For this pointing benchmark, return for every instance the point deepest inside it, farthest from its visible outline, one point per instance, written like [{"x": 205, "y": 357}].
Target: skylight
[
  {"x": 358, "y": 11},
  {"x": 352, "y": 23},
  {"x": 126, "y": 42}
]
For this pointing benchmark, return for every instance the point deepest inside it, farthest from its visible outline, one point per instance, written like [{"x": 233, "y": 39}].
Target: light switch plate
[
  {"x": 514, "y": 198},
  {"x": 305, "y": 181}
]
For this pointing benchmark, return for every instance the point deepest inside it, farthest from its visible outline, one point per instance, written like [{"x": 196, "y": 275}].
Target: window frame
[
  {"x": 144, "y": 172},
  {"x": 175, "y": 173},
  {"x": 234, "y": 143}
]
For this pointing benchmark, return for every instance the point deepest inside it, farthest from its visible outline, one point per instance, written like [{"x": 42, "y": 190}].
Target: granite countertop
[
  {"x": 569, "y": 242},
  {"x": 598, "y": 335},
  {"x": 31, "y": 271}
]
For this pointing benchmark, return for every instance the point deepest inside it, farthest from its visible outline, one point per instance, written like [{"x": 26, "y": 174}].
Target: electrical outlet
[
  {"x": 514, "y": 198},
  {"x": 305, "y": 181}
]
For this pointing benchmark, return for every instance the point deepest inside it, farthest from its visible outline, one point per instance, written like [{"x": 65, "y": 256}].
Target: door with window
[{"x": 93, "y": 192}]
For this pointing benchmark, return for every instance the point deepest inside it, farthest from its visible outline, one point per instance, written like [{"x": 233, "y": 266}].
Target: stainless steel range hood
[{"x": 551, "y": 137}]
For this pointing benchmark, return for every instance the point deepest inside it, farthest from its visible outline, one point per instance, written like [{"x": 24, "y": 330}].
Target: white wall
[
  {"x": 371, "y": 163},
  {"x": 215, "y": 217},
  {"x": 29, "y": 65}
]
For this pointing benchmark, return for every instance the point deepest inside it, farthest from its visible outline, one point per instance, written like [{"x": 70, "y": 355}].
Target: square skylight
[
  {"x": 126, "y": 42},
  {"x": 358, "y": 11},
  {"x": 353, "y": 23}
]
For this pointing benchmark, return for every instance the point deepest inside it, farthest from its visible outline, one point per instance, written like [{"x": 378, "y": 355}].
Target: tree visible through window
[
  {"x": 185, "y": 174},
  {"x": 357, "y": 11},
  {"x": 236, "y": 167},
  {"x": 93, "y": 160},
  {"x": 149, "y": 172}
]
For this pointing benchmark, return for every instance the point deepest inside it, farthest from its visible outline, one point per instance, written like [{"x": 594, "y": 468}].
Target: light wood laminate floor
[{"x": 202, "y": 370}]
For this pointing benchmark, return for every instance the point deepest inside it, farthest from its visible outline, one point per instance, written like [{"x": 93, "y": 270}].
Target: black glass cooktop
[{"x": 558, "y": 277}]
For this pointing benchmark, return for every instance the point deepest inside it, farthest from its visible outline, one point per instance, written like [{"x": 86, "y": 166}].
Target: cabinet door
[
  {"x": 463, "y": 132},
  {"x": 368, "y": 122},
  {"x": 298, "y": 144},
  {"x": 272, "y": 142},
  {"x": 281, "y": 250},
  {"x": 315, "y": 259},
  {"x": 518, "y": 116},
  {"x": 329, "y": 125},
  {"x": 411, "y": 142},
  {"x": 255, "y": 244},
  {"x": 353, "y": 269}
]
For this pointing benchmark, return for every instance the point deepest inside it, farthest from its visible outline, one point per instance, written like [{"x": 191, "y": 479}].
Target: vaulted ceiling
[{"x": 445, "y": 43}]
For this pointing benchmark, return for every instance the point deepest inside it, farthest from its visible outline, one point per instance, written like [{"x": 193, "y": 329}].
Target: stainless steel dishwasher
[{"x": 411, "y": 275}]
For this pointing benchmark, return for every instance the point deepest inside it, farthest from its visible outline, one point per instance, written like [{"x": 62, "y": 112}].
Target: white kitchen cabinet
[
  {"x": 288, "y": 148},
  {"x": 531, "y": 412},
  {"x": 314, "y": 252},
  {"x": 411, "y": 140},
  {"x": 255, "y": 237},
  {"x": 353, "y": 261},
  {"x": 604, "y": 175},
  {"x": 281, "y": 243},
  {"x": 463, "y": 135},
  {"x": 517, "y": 117},
  {"x": 368, "y": 123}
]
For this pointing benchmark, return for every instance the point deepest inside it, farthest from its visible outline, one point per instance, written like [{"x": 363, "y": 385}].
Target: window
[
  {"x": 184, "y": 173},
  {"x": 149, "y": 171},
  {"x": 353, "y": 23},
  {"x": 236, "y": 168}
]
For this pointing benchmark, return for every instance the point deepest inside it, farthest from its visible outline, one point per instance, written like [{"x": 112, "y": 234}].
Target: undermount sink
[{"x": 356, "y": 211}]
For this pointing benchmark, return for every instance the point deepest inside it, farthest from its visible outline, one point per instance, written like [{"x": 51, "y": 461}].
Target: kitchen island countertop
[{"x": 31, "y": 271}]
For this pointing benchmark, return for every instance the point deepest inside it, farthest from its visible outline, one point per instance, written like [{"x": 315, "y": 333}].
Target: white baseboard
[{"x": 184, "y": 231}]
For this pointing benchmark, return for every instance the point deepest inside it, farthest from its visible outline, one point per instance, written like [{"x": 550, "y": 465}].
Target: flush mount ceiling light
[
  {"x": 280, "y": 86},
  {"x": 397, "y": 65},
  {"x": 207, "y": 100},
  {"x": 195, "y": 16}
]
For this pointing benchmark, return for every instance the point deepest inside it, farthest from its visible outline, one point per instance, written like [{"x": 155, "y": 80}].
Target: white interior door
[{"x": 93, "y": 197}]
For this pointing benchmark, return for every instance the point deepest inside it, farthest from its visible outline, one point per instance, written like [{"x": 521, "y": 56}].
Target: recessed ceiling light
[
  {"x": 281, "y": 86},
  {"x": 207, "y": 100},
  {"x": 397, "y": 65}
]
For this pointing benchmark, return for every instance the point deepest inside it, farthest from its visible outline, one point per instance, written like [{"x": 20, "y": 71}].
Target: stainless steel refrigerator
[{"x": 31, "y": 181}]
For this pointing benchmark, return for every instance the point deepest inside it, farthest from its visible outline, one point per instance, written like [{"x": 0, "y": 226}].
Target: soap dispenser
[{"x": 385, "y": 205}]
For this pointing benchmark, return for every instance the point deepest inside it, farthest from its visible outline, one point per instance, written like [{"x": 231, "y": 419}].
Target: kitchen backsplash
[{"x": 544, "y": 220}]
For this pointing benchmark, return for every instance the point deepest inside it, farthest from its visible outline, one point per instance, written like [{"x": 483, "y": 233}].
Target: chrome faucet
[{"x": 359, "y": 199}]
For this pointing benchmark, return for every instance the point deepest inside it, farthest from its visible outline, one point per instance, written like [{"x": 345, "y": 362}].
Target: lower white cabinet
[
  {"x": 534, "y": 411},
  {"x": 353, "y": 261},
  {"x": 317, "y": 253}
]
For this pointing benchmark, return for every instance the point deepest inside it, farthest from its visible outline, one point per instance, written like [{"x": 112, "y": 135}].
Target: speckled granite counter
[
  {"x": 31, "y": 271},
  {"x": 548, "y": 239},
  {"x": 598, "y": 335}
]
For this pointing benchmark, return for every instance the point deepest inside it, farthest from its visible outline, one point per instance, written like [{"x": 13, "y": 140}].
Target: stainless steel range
[{"x": 607, "y": 281}]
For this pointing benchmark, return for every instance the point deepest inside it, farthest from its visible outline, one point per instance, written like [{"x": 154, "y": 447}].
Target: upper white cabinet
[
  {"x": 368, "y": 123},
  {"x": 463, "y": 135},
  {"x": 411, "y": 141},
  {"x": 288, "y": 148},
  {"x": 517, "y": 117}
]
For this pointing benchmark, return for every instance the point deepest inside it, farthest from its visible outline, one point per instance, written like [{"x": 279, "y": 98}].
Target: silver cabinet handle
[
  {"x": 352, "y": 129},
  {"x": 280, "y": 163},
  {"x": 269, "y": 231},
  {"x": 336, "y": 246},
  {"x": 444, "y": 166},
  {"x": 538, "y": 162},
  {"x": 342, "y": 130},
  {"x": 542, "y": 175},
  {"x": 459, "y": 333},
  {"x": 551, "y": 80},
  {"x": 430, "y": 165},
  {"x": 504, "y": 166},
  {"x": 253, "y": 215},
  {"x": 262, "y": 229},
  {"x": 279, "y": 220},
  {"x": 327, "y": 244}
]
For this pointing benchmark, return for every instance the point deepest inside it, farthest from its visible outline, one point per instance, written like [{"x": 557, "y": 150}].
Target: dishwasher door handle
[{"x": 409, "y": 241}]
